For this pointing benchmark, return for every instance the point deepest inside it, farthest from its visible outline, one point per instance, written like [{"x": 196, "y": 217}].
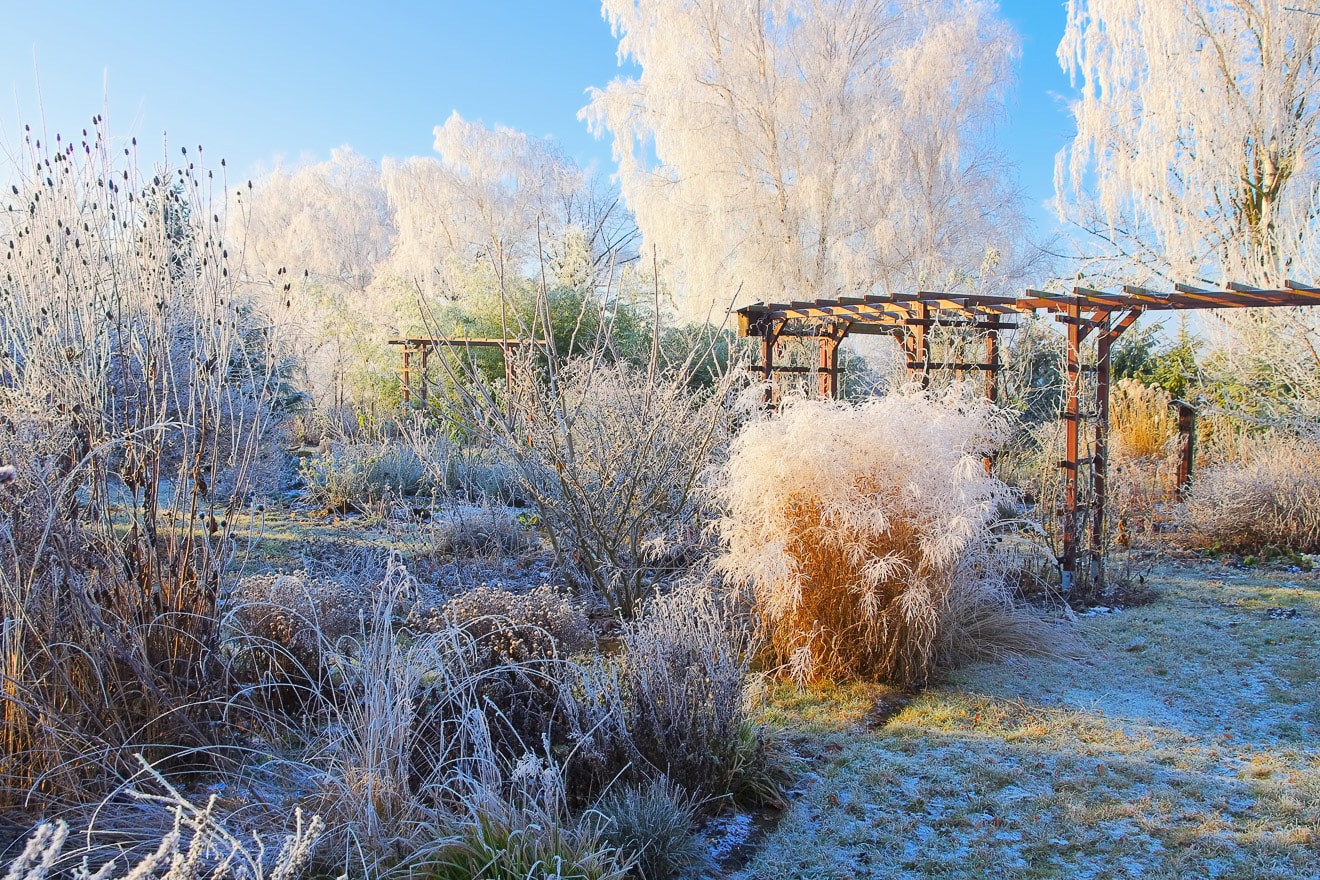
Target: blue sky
[{"x": 258, "y": 82}]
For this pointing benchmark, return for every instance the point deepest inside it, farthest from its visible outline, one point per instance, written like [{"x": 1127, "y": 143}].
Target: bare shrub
[
  {"x": 865, "y": 532},
  {"x": 1269, "y": 498},
  {"x": 610, "y": 453},
  {"x": 521, "y": 642},
  {"x": 612, "y": 456}
]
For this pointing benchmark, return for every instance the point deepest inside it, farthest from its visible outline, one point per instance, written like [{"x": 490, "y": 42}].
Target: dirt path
[{"x": 1182, "y": 744}]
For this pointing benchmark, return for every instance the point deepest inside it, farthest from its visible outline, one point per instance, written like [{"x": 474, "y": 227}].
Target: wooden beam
[
  {"x": 406, "y": 375},
  {"x": 1071, "y": 451},
  {"x": 1100, "y": 457}
]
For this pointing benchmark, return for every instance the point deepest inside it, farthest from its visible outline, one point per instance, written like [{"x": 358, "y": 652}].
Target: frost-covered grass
[
  {"x": 867, "y": 534},
  {"x": 1181, "y": 744}
]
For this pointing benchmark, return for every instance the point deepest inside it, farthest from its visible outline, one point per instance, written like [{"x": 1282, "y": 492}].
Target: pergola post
[
  {"x": 831, "y": 336},
  {"x": 1100, "y": 451},
  {"x": 770, "y": 331},
  {"x": 406, "y": 374},
  {"x": 1186, "y": 447},
  {"x": 992, "y": 359},
  {"x": 425, "y": 351},
  {"x": 917, "y": 344},
  {"x": 1071, "y": 432}
]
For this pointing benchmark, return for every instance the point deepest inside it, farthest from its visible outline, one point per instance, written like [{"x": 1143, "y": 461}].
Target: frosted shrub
[
  {"x": 358, "y": 475},
  {"x": 517, "y": 627},
  {"x": 521, "y": 642},
  {"x": 279, "y": 626},
  {"x": 686, "y": 672},
  {"x": 467, "y": 531},
  {"x": 1269, "y": 498},
  {"x": 865, "y": 532}
]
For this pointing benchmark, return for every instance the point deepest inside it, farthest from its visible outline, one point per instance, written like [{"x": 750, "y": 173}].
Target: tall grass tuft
[
  {"x": 1270, "y": 497},
  {"x": 655, "y": 823},
  {"x": 866, "y": 534},
  {"x": 135, "y": 385},
  {"x": 1142, "y": 421}
]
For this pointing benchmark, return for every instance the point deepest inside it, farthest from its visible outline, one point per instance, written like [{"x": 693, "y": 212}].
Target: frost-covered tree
[
  {"x": 327, "y": 229},
  {"x": 812, "y": 148},
  {"x": 1197, "y": 152},
  {"x": 372, "y": 251},
  {"x": 499, "y": 197}
]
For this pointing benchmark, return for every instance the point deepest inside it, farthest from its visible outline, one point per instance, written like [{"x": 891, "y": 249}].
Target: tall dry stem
[{"x": 134, "y": 388}]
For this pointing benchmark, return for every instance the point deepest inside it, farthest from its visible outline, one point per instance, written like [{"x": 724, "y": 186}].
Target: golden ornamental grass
[{"x": 866, "y": 534}]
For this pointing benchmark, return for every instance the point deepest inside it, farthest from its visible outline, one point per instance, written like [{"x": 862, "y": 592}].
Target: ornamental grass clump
[
  {"x": 865, "y": 532},
  {"x": 1270, "y": 497}
]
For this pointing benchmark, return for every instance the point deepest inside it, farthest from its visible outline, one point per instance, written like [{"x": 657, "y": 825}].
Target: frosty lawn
[{"x": 1181, "y": 743}]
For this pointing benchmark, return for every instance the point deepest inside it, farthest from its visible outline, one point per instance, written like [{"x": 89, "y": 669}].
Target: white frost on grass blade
[
  {"x": 1169, "y": 750},
  {"x": 866, "y": 532}
]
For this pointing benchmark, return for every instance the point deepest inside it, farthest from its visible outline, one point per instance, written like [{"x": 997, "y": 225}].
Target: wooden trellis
[
  {"x": 417, "y": 350},
  {"x": 1089, "y": 316}
]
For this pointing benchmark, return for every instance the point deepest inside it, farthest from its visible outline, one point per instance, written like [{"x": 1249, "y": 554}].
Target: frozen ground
[{"x": 1182, "y": 743}]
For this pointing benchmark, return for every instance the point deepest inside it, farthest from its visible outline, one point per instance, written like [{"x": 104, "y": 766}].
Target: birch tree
[
  {"x": 372, "y": 251},
  {"x": 328, "y": 229},
  {"x": 500, "y": 198},
  {"x": 812, "y": 148},
  {"x": 1197, "y": 153}
]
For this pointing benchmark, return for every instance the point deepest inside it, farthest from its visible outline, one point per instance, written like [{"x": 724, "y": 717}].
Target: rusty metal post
[
  {"x": 406, "y": 375},
  {"x": 1071, "y": 453},
  {"x": 1186, "y": 446}
]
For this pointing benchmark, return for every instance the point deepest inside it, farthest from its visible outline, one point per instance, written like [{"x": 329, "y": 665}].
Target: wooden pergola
[
  {"x": 1091, "y": 317},
  {"x": 422, "y": 347}
]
